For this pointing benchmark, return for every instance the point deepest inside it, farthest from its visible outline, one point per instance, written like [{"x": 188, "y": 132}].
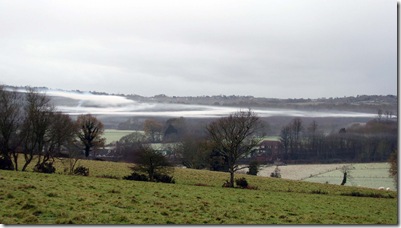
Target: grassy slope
[
  {"x": 33, "y": 198},
  {"x": 113, "y": 135}
]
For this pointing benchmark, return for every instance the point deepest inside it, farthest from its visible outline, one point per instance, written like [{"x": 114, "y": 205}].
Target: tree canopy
[
  {"x": 90, "y": 132},
  {"x": 233, "y": 137}
]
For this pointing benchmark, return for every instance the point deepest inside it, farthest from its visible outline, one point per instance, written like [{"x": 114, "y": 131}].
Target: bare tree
[
  {"x": 285, "y": 139},
  {"x": 153, "y": 130},
  {"x": 38, "y": 111},
  {"x": 90, "y": 132},
  {"x": 61, "y": 133},
  {"x": 10, "y": 121},
  {"x": 29, "y": 122},
  {"x": 296, "y": 129},
  {"x": 314, "y": 137},
  {"x": 232, "y": 137}
]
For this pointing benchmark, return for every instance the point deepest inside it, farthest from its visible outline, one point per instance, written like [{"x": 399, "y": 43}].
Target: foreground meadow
[{"x": 196, "y": 198}]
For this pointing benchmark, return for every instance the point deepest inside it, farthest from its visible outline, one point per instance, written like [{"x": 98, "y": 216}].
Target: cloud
[{"x": 290, "y": 48}]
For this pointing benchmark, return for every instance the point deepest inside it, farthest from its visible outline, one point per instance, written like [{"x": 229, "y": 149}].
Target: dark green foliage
[
  {"x": 46, "y": 167},
  {"x": 241, "y": 182},
  {"x": 372, "y": 141},
  {"x": 81, "y": 170},
  {"x": 151, "y": 162},
  {"x": 164, "y": 178},
  {"x": 253, "y": 168},
  {"x": 218, "y": 162},
  {"x": 6, "y": 164},
  {"x": 194, "y": 152},
  {"x": 136, "y": 177}
]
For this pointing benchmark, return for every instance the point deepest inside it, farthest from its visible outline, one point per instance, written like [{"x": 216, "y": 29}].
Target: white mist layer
[
  {"x": 121, "y": 106},
  {"x": 117, "y": 105}
]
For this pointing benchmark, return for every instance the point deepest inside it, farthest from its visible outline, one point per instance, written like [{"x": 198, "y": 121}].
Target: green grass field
[
  {"x": 113, "y": 135},
  {"x": 196, "y": 198}
]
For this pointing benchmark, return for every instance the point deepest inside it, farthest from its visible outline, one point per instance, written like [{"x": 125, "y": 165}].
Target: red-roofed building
[{"x": 268, "y": 151}]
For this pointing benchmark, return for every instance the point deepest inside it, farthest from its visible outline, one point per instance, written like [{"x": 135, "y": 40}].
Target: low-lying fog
[{"x": 74, "y": 103}]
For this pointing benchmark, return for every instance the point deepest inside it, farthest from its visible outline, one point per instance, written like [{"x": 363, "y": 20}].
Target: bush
[
  {"x": 241, "y": 182},
  {"x": 276, "y": 173},
  {"x": 164, "y": 178},
  {"x": 6, "y": 164},
  {"x": 253, "y": 168},
  {"x": 46, "y": 167},
  {"x": 81, "y": 170},
  {"x": 136, "y": 177}
]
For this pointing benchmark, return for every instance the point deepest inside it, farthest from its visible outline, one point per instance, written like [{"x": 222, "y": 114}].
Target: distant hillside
[{"x": 360, "y": 103}]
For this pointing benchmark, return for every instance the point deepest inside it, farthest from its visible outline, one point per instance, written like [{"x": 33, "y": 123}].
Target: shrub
[
  {"x": 157, "y": 177},
  {"x": 241, "y": 182},
  {"x": 46, "y": 167},
  {"x": 276, "y": 173},
  {"x": 6, "y": 164},
  {"x": 81, "y": 170},
  {"x": 136, "y": 177},
  {"x": 253, "y": 168},
  {"x": 164, "y": 178}
]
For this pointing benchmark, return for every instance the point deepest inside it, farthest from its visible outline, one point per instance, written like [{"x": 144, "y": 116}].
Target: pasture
[
  {"x": 196, "y": 198},
  {"x": 113, "y": 135},
  {"x": 369, "y": 175}
]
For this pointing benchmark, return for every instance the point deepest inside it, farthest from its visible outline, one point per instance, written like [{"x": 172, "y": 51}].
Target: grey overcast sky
[{"x": 262, "y": 48}]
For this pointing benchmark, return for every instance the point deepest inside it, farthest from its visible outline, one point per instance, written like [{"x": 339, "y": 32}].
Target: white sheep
[
  {"x": 387, "y": 189},
  {"x": 381, "y": 188}
]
